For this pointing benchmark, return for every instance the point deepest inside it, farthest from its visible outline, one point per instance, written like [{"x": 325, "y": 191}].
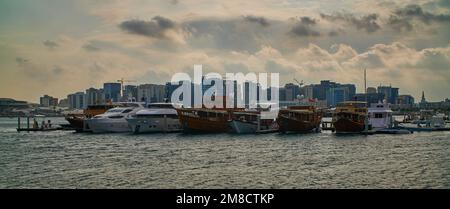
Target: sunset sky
[{"x": 58, "y": 47}]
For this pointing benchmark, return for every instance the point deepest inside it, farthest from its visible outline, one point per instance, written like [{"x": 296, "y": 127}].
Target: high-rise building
[
  {"x": 282, "y": 94},
  {"x": 321, "y": 92},
  {"x": 130, "y": 93},
  {"x": 77, "y": 100},
  {"x": 170, "y": 88},
  {"x": 63, "y": 103},
  {"x": 48, "y": 101},
  {"x": 292, "y": 91},
  {"x": 369, "y": 98},
  {"x": 371, "y": 90},
  {"x": 308, "y": 91},
  {"x": 405, "y": 101},
  {"x": 112, "y": 92},
  {"x": 94, "y": 96},
  {"x": 151, "y": 93},
  {"x": 338, "y": 95},
  {"x": 390, "y": 93}
]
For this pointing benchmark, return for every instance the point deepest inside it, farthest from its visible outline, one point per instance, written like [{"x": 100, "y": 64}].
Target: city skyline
[
  {"x": 326, "y": 91},
  {"x": 56, "y": 48}
]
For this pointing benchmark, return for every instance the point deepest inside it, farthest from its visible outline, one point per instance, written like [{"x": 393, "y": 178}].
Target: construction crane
[
  {"x": 122, "y": 81},
  {"x": 299, "y": 83}
]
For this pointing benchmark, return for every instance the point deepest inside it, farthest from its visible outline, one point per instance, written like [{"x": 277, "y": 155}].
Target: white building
[
  {"x": 48, "y": 101},
  {"x": 151, "y": 93},
  {"x": 77, "y": 100},
  {"x": 94, "y": 96}
]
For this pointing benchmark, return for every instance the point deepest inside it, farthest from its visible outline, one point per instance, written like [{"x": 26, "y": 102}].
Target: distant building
[
  {"x": 371, "y": 90},
  {"x": 170, "y": 88},
  {"x": 94, "y": 96},
  {"x": 7, "y": 103},
  {"x": 337, "y": 95},
  {"x": 48, "y": 101},
  {"x": 291, "y": 91},
  {"x": 130, "y": 93},
  {"x": 405, "y": 100},
  {"x": 112, "y": 92},
  {"x": 322, "y": 91},
  {"x": 308, "y": 92},
  {"x": 77, "y": 100},
  {"x": 151, "y": 93},
  {"x": 423, "y": 100},
  {"x": 351, "y": 90},
  {"x": 63, "y": 103},
  {"x": 445, "y": 104},
  {"x": 371, "y": 98},
  {"x": 282, "y": 94},
  {"x": 390, "y": 93}
]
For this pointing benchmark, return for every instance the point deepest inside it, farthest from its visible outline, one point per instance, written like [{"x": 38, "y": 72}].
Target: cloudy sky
[{"x": 58, "y": 47}]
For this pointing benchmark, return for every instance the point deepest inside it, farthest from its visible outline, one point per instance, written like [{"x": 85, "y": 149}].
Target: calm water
[{"x": 69, "y": 160}]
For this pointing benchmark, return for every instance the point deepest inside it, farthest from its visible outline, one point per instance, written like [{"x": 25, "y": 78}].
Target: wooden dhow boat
[
  {"x": 299, "y": 119},
  {"x": 206, "y": 120},
  {"x": 350, "y": 117}
]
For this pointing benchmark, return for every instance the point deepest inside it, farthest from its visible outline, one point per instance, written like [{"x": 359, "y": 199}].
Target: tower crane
[
  {"x": 122, "y": 81},
  {"x": 299, "y": 83}
]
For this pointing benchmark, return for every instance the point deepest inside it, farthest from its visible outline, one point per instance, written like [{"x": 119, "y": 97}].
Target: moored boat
[
  {"x": 350, "y": 117},
  {"x": 299, "y": 119},
  {"x": 205, "y": 120},
  {"x": 114, "y": 120},
  {"x": 250, "y": 121},
  {"x": 380, "y": 116},
  {"x": 76, "y": 120},
  {"x": 156, "y": 117}
]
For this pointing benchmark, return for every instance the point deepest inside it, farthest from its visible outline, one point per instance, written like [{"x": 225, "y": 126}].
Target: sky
[{"x": 58, "y": 47}]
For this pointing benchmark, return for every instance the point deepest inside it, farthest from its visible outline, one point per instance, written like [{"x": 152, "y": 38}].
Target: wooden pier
[{"x": 40, "y": 129}]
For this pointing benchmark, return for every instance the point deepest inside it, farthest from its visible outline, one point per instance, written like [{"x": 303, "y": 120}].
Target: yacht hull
[
  {"x": 154, "y": 125},
  {"x": 241, "y": 127},
  {"x": 108, "y": 126}
]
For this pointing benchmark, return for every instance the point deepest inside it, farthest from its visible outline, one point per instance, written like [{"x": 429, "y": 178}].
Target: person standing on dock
[{"x": 49, "y": 124}]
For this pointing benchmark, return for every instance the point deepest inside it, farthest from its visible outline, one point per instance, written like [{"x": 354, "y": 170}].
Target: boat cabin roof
[
  {"x": 352, "y": 103},
  {"x": 298, "y": 111}
]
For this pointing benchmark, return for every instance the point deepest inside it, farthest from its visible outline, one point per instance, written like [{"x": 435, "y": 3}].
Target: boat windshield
[
  {"x": 127, "y": 110},
  {"x": 115, "y": 110}
]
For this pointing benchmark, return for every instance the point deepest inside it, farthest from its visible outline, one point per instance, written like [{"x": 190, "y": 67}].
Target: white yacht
[
  {"x": 157, "y": 117},
  {"x": 380, "y": 116},
  {"x": 114, "y": 120}
]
